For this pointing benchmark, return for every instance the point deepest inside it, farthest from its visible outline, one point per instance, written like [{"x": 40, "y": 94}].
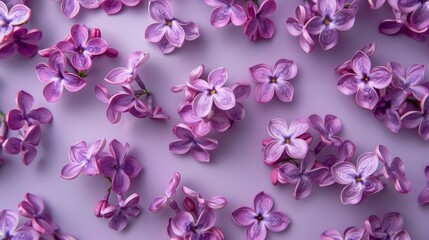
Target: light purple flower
[
  {"x": 226, "y": 11},
  {"x": 16, "y": 16},
  {"x": 327, "y": 129},
  {"x": 258, "y": 25},
  {"x": 345, "y": 153},
  {"x": 211, "y": 92},
  {"x": 391, "y": 227},
  {"x": 119, "y": 166},
  {"x": 329, "y": 21},
  {"x": 216, "y": 202},
  {"x": 81, "y": 48},
  {"x": 161, "y": 202},
  {"x": 199, "y": 146},
  {"x": 185, "y": 225},
  {"x": 83, "y": 159},
  {"x": 420, "y": 118},
  {"x": 352, "y": 233},
  {"x": 296, "y": 27},
  {"x": 424, "y": 195},
  {"x": 346, "y": 67},
  {"x": 26, "y": 146},
  {"x": 286, "y": 139},
  {"x": 22, "y": 40},
  {"x": 364, "y": 81},
  {"x": 359, "y": 179},
  {"x": 388, "y": 108},
  {"x": 121, "y": 75},
  {"x": 118, "y": 214},
  {"x": 71, "y": 8},
  {"x": 9, "y": 227},
  {"x": 289, "y": 173},
  {"x": 277, "y": 81},
  {"x": 34, "y": 209},
  {"x": 419, "y": 10},
  {"x": 114, "y": 6},
  {"x": 410, "y": 81},
  {"x": 25, "y": 114},
  {"x": 260, "y": 218},
  {"x": 56, "y": 76}
]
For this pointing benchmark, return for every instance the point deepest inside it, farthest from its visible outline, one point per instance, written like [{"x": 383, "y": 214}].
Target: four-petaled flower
[
  {"x": 388, "y": 108},
  {"x": 226, "y": 11},
  {"x": 34, "y": 209},
  {"x": 184, "y": 225},
  {"x": 16, "y": 16},
  {"x": 118, "y": 214},
  {"x": 9, "y": 227},
  {"x": 327, "y": 129},
  {"x": 419, "y": 10},
  {"x": 26, "y": 146},
  {"x": 410, "y": 81},
  {"x": 170, "y": 192},
  {"x": 391, "y": 227},
  {"x": 296, "y": 27},
  {"x": 260, "y": 218},
  {"x": 258, "y": 25},
  {"x": 22, "y": 40},
  {"x": 420, "y": 118}
]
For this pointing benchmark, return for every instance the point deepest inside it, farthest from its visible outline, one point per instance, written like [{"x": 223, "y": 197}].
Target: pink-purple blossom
[
  {"x": 11, "y": 18},
  {"x": 119, "y": 214},
  {"x": 390, "y": 227},
  {"x": 161, "y": 202},
  {"x": 23, "y": 40},
  {"x": 258, "y": 25},
  {"x": 225, "y": 12},
  {"x": 9, "y": 228},
  {"x": 25, "y": 146},
  {"x": 419, "y": 119}
]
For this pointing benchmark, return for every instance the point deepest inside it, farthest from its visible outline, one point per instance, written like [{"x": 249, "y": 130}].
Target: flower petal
[
  {"x": 121, "y": 102},
  {"x": 70, "y": 8},
  {"x": 224, "y": 98},
  {"x": 348, "y": 84},
  {"x": 111, "y": 6},
  {"x": 424, "y": 196},
  {"x": 361, "y": 64},
  {"x": 53, "y": 91},
  {"x": 206, "y": 220},
  {"x": 315, "y": 25},
  {"x": 81, "y": 62},
  {"x": 202, "y": 104},
  {"x": 297, "y": 148},
  {"x": 96, "y": 46},
  {"x": 157, "y": 204},
  {"x": 220, "y": 16},
  {"x": 256, "y": 231},
  {"x": 181, "y": 223},
  {"x": 285, "y": 69},
  {"x": 411, "y": 119},
  {"x": 372, "y": 186},
  {"x": 46, "y": 74},
  {"x": 344, "y": 172},
  {"x": 284, "y": 91},
  {"x": 420, "y": 17},
  {"x": 288, "y": 173},
  {"x": 73, "y": 82},
  {"x": 380, "y": 77},
  {"x": 19, "y": 14},
  {"x": 263, "y": 203},
  {"x": 118, "y": 221},
  {"x": 155, "y": 32},
  {"x": 180, "y": 146},
  {"x": 276, "y": 221},
  {"x": 71, "y": 170},
  {"x": 367, "y": 97},
  {"x": 392, "y": 222},
  {"x": 352, "y": 194},
  {"x": 344, "y": 19},
  {"x": 14, "y": 119},
  {"x": 12, "y": 145},
  {"x": 218, "y": 77},
  {"x": 8, "y": 221},
  {"x": 108, "y": 166},
  {"x": 260, "y": 73},
  {"x": 244, "y": 216},
  {"x": 264, "y": 92},
  {"x": 120, "y": 182},
  {"x": 328, "y": 38},
  {"x": 131, "y": 166},
  {"x": 272, "y": 151},
  {"x": 238, "y": 15},
  {"x": 175, "y": 34},
  {"x": 326, "y": 7},
  {"x": 367, "y": 164},
  {"x": 160, "y": 11}
]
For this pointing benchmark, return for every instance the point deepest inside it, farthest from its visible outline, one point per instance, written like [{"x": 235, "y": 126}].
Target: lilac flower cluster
[
  {"x": 76, "y": 51},
  {"x": 207, "y": 105},
  {"x": 117, "y": 167},
  {"x": 71, "y": 8},
  {"x": 39, "y": 223},
  {"x": 395, "y": 95},
  {"x": 390, "y": 227},
  {"x": 26, "y": 122},
  {"x": 295, "y": 161},
  {"x": 13, "y": 36},
  {"x": 140, "y": 103},
  {"x": 322, "y": 18},
  {"x": 168, "y": 32},
  {"x": 197, "y": 220},
  {"x": 254, "y": 16}
]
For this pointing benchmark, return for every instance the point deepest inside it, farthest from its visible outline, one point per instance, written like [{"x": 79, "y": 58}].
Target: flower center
[
  {"x": 259, "y": 217},
  {"x": 80, "y": 50},
  {"x": 169, "y": 23},
  {"x": 358, "y": 179},
  {"x": 212, "y": 92},
  {"x": 287, "y": 140},
  {"x": 347, "y": 5},
  {"x": 327, "y": 21},
  {"x": 365, "y": 78}
]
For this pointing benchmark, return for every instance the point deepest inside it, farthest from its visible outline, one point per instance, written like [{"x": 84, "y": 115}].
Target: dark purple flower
[
  {"x": 25, "y": 115},
  {"x": 277, "y": 81},
  {"x": 327, "y": 129},
  {"x": 420, "y": 118},
  {"x": 185, "y": 225},
  {"x": 226, "y": 11},
  {"x": 258, "y": 25},
  {"x": 9, "y": 228},
  {"x": 26, "y": 146},
  {"x": 296, "y": 27},
  {"x": 345, "y": 153},
  {"x": 16, "y": 16},
  {"x": 23, "y": 40},
  {"x": 118, "y": 214},
  {"x": 161, "y": 202},
  {"x": 260, "y": 218},
  {"x": 424, "y": 195},
  {"x": 391, "y": 227},
  {"x": 71, "y": 8},
  {"x": 419, "y": 10},
  {"x": 352, "y": 233},
  {"x": 388, "y": 108},
  {"x": 119, "y": 166},
  {"x": 114, "y": 6},
  {"x": 409, "y": 81},
  {"x": 81, "y": 48},
  {"x": 364, "y": 81},
  {"x": 33, "y": 208},
  {"x": 127, "y": 74}
]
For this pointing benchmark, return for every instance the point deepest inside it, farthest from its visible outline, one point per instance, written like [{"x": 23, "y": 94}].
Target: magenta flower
[
  {"x": 419, "y": 10},
  {"x": 420, "y": 118},
  {"x": 33, "y": 208},
  {"x": 296, "y": 27},
  {"x": 260, "y": 218},
  {"x": 199, "y": 146},
  {"x": 391, "y": 227},
  {"x": 270, "y": 81},
  {"x": 410, "y": 81},
  {"x": 127, "y": 74},
  {"x": 25, "y": 115},
  {"x": 352, "y": 233},
  {"x": 114, "y": 6},
  {"x": 83, "y": 159},
  {"x": 302, "y": 177},
  {"x": 26, "y": 146},
  {"x": 184, "y": 225},
  {"x": 118, "y": 214},
  {"x": 9, "y": 227},
  {"x": 71, "y": 8},
  {"x": 202, "y": 126},
  {"x": 345, "y": 153},
  {"x": 212, "y": 91},
  {"x": 161, "y": 202},
  {"x": 119, "y": 166},
  {"x": 81, "y": 49},
  {"x": 424, "y": 195},
  {"x": 364, "y": 81},
  {"x": 388, "y": 109},
  {"x": 258, "y": 25},
  {"x": 327, "y": 129},
  {"x": 359, "y": 179},
  {"x": 17, "y": 15},
  {"x": 22, "y": 40},
  {"x": 226, "y": 11},
  {"x": 286, "y": 139},
  {"x": 56, "y": 76},
  {"x": 329, "y": 21}
]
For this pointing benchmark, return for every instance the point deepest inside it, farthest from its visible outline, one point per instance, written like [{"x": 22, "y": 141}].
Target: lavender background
[{"x": 237, "y": 170}]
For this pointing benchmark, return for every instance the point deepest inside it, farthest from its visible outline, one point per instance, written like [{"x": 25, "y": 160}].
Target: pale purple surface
[{"x": 236, "y": 170}]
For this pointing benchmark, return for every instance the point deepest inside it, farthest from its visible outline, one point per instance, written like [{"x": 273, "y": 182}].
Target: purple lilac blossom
[
  {"x": 121, "y": 75},
  {"x": 388, "y": 108},
  {"x": 258, "y": 25},
  {"x": 118, "y": 214},
  {"x": 25, "y": 146},
  {"x": 419, "y": 119},
  {"x": 424, "y": 194},
  {"x": 296, "y": 27},
  {"x": 161, "y": 202},
  {"x": 17, "y": 15},
  {"x": 34, "y": 209},
  {"x": 225, "y": 12},
  {"x": 391, "y": 227},
  {"x": 9, "y": 227},
  {"x": 23, "y": 40}
]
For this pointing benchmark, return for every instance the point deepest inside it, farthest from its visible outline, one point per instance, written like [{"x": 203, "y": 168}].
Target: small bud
[
  {"x": 95, "y": 33},
  {"x": 101, "y": 205},
  {"x": 189, "y": 205},
  {"x": 111, "y": 53}
]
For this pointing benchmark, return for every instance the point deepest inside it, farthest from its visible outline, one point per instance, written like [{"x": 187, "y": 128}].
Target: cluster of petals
[
  {"x": 208, "y": 105},
  {"x": 396, "y": 95},
  {"x": 71, "y": 8}
]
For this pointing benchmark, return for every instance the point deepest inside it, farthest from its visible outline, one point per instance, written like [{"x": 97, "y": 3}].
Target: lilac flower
[
  {"x": 33, "y": 208},
  {"x": 83, "y": 159},
  {"x": 260, "y": 218},
  {"x": 71, "y": 8},
  {"x": 184, "y": 225},
  {"x": 352, "y": 233},
  {"x": 56, "y": 76},
  {"x": 190, "y": 92},
  {"x": 388, "y": 109},
  {"x": 16, "y": 16},
  {"x": 420, "y": 118},
  {"x": 25, "y": 115},
  {"x": 9, "y": 227},
  {"x": 419, "y": 10},
  {"x": 212, "y": 91},
  {"x": 391, "y": 227},
  {"x": 364, "y": 81},
  {"x": 81, "y": 48},
  {"x": 286, "y": 138},
  {"x": 123, "y": 75},
  {"x": 346, "y": 67},
  {"x": 127, "y": 100},
  {"x": 216, "y": 202},
  {"x": 114, "y": 6},
  {"x": 302, "y": 177},
  {"x": 170, "y": 192},
  {"x": 327, "y": 129},
  {"x": 329, "y": 21},
  {"x": 118, "y": 214},
  {"x": 226, "y": 11},
  {"x": 270, "y": 81},
  {"x": 296, "y": 27},
  {"x": 345, "y": 153},
  {"x": 258, "y": 25},
  {"x": 359, "y": 179},
  {"x": 424, "y": 195},
  {"x": 397, "y": 25},
  {"x": 26, "y": 146},
  {"x": 119, "y": 166},
  {"x": 199, "y": 146},
  {"x": 22, "y": 40},
  {"x": 409, "y": 81}
]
